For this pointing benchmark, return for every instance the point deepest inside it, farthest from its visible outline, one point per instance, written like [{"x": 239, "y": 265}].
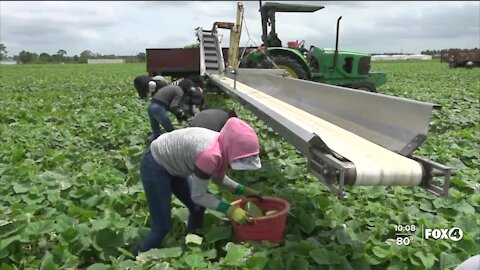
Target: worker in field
[
  {"x": 160, "y": 82},
  {"x": 472, "y": 263},
  {"x": 168, "y": 99},
  {"x": 195, "y": 79},
  {"x": 194, "y": 101},
  {"x": 213, "y": 119},
  {"x": 146, "y": 85},
  {"x": 451, "y": 62},
  {"x": 199, "y": 154}
]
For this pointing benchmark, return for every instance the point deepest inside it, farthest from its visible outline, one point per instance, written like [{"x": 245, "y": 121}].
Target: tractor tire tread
[
  {"x": 291, "y": 63},
  {"x": 364, "y": 85}
]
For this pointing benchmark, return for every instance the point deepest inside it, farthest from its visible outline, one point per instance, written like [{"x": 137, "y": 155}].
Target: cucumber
[
  {"x": 271, "y": 213},
  {"x": 253, "y": 210}
]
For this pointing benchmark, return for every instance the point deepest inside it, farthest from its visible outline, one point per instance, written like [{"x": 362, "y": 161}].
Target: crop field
[{"x": 72, "y": 137}]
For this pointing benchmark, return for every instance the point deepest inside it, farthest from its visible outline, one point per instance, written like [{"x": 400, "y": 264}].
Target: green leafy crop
[{"x": 72, "y": 137}]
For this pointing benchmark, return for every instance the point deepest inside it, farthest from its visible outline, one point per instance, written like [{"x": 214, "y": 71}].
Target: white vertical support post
[
  {"x": 202, "y": 52},
  {"x": 221, "y": 62}
]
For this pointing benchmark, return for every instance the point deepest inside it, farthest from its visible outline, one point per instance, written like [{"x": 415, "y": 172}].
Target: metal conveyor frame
[{"x": 329, "y": 167}]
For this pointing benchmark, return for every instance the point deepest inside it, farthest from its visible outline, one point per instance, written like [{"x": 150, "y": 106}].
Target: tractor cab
[
  {"x": 331, "y": 66},
  {"x": 267, "y": 12}
]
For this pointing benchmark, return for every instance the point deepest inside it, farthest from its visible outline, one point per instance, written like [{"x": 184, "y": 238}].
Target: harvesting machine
[{"x": 348, "y": 138}]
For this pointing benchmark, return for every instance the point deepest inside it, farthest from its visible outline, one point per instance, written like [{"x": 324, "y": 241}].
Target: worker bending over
[
  {"x": 146, "y": 85},
  {"x": 213, "y": 119},
  {"x": 202, "y": 154},
  {"x": 167, "y": 99}
]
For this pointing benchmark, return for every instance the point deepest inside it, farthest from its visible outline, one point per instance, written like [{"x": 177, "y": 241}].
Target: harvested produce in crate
[
  {"x": 271, "y": 212},
  {"x": 253, "y": 210}
]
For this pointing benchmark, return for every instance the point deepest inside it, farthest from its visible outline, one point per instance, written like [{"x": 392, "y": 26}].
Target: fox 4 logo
[{"x": 454, "y": 234}]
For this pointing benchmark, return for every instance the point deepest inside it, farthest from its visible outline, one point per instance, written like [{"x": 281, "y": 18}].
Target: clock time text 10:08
[{"x": 405, "y": 228}]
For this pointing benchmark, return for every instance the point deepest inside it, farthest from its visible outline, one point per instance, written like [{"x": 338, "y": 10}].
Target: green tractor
[{"x": 331, "y": 66}]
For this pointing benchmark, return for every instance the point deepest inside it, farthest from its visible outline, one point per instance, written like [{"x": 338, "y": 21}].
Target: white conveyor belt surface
[{"x": 374, "y": 164}]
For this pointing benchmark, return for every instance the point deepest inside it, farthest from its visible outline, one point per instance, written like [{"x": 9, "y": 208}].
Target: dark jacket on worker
[
  {"x": 141, "y": 84},
  {"x": 213, "y": 119},
  {"x": 170, "y": 97},
  {"x": 160, "y": 82},
  {"x": 194, "y": 101},
  {"x": 186, "y": 85}
]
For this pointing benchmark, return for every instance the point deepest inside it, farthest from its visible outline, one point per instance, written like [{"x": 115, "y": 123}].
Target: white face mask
[{"x": 248, "y": 163}]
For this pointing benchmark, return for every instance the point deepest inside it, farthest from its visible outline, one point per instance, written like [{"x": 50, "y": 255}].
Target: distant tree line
[
  {"x": 26, "y": 57},
  {"x": 429, "y": 52},
  {"x": 193, "y": 45},
  {"x": 437, "y": 52},
  {"x": 392, "y": 53}
]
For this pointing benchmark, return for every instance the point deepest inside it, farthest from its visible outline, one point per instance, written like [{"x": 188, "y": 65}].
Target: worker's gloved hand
[
  {"x": 238, "y": 215},
  {"x": 251, "y": 193},
  {"x": 181, "y": 116}
]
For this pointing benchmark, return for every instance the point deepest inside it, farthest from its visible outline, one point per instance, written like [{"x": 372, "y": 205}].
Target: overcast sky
[{"x": 127, "y": 28}]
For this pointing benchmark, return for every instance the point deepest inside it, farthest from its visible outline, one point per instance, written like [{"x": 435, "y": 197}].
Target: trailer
[
  {"x": 463, "y": 58},
  {"x": 177, "y": 62},
  {"x": 174, "y": 62}
]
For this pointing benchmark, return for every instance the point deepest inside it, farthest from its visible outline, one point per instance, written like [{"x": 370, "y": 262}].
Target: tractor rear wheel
[
  {"x": 366, "y": 86},
  {"x": 293, "y": 68}
]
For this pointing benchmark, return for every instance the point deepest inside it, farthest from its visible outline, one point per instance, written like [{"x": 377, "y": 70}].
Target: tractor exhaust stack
[{"x": 335, "y": 57}]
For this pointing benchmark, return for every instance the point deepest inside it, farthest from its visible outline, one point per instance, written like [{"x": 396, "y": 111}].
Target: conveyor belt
[
  {"x": 349, "y": 136},
  {"x": 374, "y": 164},
  {"x": 335, "y": 152},
  {"x": 211, "y": 55},
  {"x": 397, "y": 124}
]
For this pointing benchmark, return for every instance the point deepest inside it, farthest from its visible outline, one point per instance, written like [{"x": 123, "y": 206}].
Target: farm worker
[
  {"x": 200, "y": 154},
  {"x": 451, "y": 63},
  {"x": 213, "y": 119},
  {"x": 195, "y": 79},
  {"x": 141, "y": 85},
  {"x": 168, "y": 98},
  {"x": 145, "y": 84},
  {"x": 472, "y": 263},
  {"x": 194, "y": 101},
  {"x": 160, "y": 82}
]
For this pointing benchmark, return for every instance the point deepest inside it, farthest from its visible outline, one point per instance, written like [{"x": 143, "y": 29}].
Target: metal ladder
[{"x": 211, "y": 55}]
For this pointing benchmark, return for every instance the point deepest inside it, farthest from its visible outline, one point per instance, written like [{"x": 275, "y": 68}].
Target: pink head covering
[{"x": 236, "y": 140}]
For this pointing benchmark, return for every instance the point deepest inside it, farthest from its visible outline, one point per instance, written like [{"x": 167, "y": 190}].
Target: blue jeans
[
  {"x": 158, "y": 115},
  {"x": 159, "y": 186}
]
